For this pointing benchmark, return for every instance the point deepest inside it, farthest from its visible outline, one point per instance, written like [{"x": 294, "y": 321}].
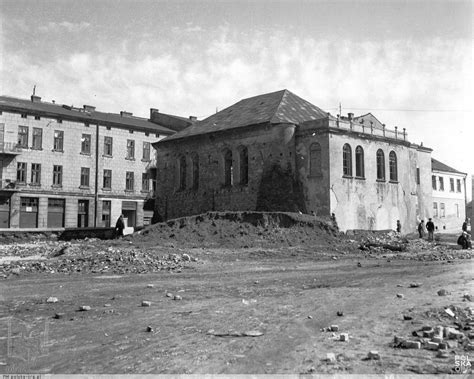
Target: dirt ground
[{"x": 257, "y": 298}]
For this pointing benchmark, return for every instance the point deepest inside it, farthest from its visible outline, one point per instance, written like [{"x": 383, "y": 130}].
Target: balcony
[{"x": 10, "y": 148}]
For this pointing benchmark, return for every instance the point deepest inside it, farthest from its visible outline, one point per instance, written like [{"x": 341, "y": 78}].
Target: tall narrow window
[
  {"x": 58, "y": 140},
  {"x": 392, "y": 160},
  {"x": 86, "y": 144},
  {"x": 35, "y": 174},
  {"x": 451, "y": 184},
  {"x": 37, "y": 138},
  {"x": 347, "y": 160},
  {"x": 146, "y": 151},
  {"x": 106, "y": 208},
  {"x": 244, "y": 165},
  {"x": 195, "y": 171},
  {"x": 380, "y": 165},
  {"x": 129, "y": 181},
  {"x": 418, "y": 175},
  {"x": 145, "y": 182},
  {"x": 57, "y": 176},
  {"x": 228, "y": 169},
  {"x": 85, "y": 174},
  {"x": 130, "y": 149},
  {"x": 435, "y": 209},
  {"x": 441, "y": 183},
  {"x": 21, "y": 172},
  {"x": 360, "y": 170},
  {"x": 108, "y": 142},
  {"x": 433, "y": 182},
  {"x": 315, "y": 159},
  {"x": 442, "y": 210},
  {"x": 107, "y": 182},
  {"x": 458, "y": 185},
  {"x": 23, "y": 136},
  {"x": 182, "y": 172}
]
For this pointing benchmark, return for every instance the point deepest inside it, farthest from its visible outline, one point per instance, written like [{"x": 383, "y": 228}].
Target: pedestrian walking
[
  {"x": 399, "y": 226},
  {"x": 464, "y": 226},
  {"x": 430, "y": 227},
  {"x": 421, "y": 228},
  {"x": 119, "y": 227}
]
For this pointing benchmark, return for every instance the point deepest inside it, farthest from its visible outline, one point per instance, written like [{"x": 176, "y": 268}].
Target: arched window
[
  {"x": 392, "y": 160},
  {"x": 228, "y": 169},
  {"x": 360, "y": 172},
  {"x": 182, "y": 172},
  {"x": 244, "y": 166},
  {"x": 315, "y": 159},
  {"x": 380, "y": 165},
  {"x": 347, "y": 160},
  {"x": 195, "y": 171}
]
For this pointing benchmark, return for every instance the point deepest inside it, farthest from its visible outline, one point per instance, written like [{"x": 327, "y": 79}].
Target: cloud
[{"x": 64, "y": 26}]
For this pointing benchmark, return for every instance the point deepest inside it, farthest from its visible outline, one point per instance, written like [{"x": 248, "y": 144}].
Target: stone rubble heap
[{"x": 70, "y": 258}]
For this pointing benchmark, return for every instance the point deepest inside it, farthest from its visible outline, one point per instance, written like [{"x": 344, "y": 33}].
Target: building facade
[
  {"x": 278, "y": 152},
  {"x": 63, "y": 166},
  {"x": 449, "y": 196}
]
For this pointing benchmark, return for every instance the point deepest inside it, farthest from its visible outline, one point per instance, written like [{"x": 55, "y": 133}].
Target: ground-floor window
[
  {"x": 83, "y": 213},
  {"x": 106, "y": 209}
]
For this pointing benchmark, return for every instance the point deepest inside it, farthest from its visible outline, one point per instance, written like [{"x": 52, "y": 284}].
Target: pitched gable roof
[
  {"x": 439, "y": 166},
  {"x": 367, "y": 118},
  {"x": 276, "y": 107}
]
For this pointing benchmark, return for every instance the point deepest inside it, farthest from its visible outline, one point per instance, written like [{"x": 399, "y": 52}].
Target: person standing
[
  {"x": 421, "y": 228},
  {"x": 464, "y": 226},
  {"x": 430, "y": 227},
  {"x": 399, "y": 226},
  {"x": 119, "y": 227}
]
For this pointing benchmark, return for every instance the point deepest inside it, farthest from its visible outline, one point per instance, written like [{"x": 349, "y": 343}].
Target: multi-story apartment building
[
  {"x": 63, "y": 166},
  {"x": 449, "y": 196}
]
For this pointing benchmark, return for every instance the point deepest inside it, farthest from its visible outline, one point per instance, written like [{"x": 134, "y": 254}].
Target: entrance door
[
  {"x": 4, "y": 212},
  {"x": 56, "y": 208},
  {"x": 129, "y": 211},
  {"x": 83, "y": 214},
  {"x": 29, "y": 212}
]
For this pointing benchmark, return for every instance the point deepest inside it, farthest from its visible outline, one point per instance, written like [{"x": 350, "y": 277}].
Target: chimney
[
  {"x": 89, "y": 108},
  {"x": 193, "y": 118},
  {"x": 35, "y": 99},
  {"x": 126, "y": 114},
  {"x": 350, "y": 116},
  {"x": 153, "y": 110}
]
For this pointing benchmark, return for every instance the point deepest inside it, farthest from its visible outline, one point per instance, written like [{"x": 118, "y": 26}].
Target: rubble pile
[
  {"x": 70, "y": 258},
  {"x": 452, "y": 330},
  {"x": 382, "y": 242}
]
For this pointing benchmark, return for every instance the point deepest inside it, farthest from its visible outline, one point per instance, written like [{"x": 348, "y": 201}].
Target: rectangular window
[
  {"x": 37, "y": 118},
  {"x": 57, "y": 176},
  {"x": 435, "y": 209},
  {"x": 451, "y": 184},
  {"x": 129, "y": 181},
  {"x": 458, "y": 185},
  {"x": 145, "y": 182},
  {"x": 106, "y": 207},
  {"x": 433, "y": 182},
  {"x": 58, "y": 140},
  {"x": 35, "y": 174},
  {"x": 107, "y": 179},
  {"x": 146, "y": 151},
  {"x": 442, "y": 210},
  {"x": 23, "y": 136},
  {"x": 85, "y": 174},
  {"x": 86, "y": 144},
  {"x": 21, "y": 172},
  {"x": 130, "y": 149},
  {"x": 418, "y": 175},
  {"x": 108, "y": 142},
  {"x": 37, "y": 138},
  {"x": 441, "y": 183}
]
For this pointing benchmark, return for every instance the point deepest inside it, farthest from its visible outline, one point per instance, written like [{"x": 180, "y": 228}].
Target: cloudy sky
[{"x": 408, "y": 62}]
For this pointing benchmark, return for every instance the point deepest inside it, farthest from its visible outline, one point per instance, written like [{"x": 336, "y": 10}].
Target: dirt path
[{"x": 289, "y": 300}]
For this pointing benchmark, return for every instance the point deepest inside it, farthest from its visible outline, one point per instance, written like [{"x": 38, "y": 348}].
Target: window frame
[
  {"x": 129, "y": 181},
  {"x": 108, "y": 146},
  {"x": 146, "y": 156},
  {"x": 35, "y": 138},
  {"x": 441, "y": 183},
  {"x": 380, "y": 165},
  {"x": 228, "y": 168},
  {"x": 347, "y": 161},
  {"x": 21, "y": 172},
  {"x": 85, "y": 177},
  {"x": 145, "y": 182},
  {"x": 35, "y": 174},
  {"x": 130, "y": 149},
  {"x": 393, "y": 166},
  {"x": 86, "y": 142},
  {"x": 107, "y": 179},
  {"x": 315, "y": 160},
  {"x": 359, "y": 162},
  {"x": 22, "y": 139},
  {"x": 58, "y": 140},
  {"x": 57, "y": 175},
  {"x": 458, "y": 186}
]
